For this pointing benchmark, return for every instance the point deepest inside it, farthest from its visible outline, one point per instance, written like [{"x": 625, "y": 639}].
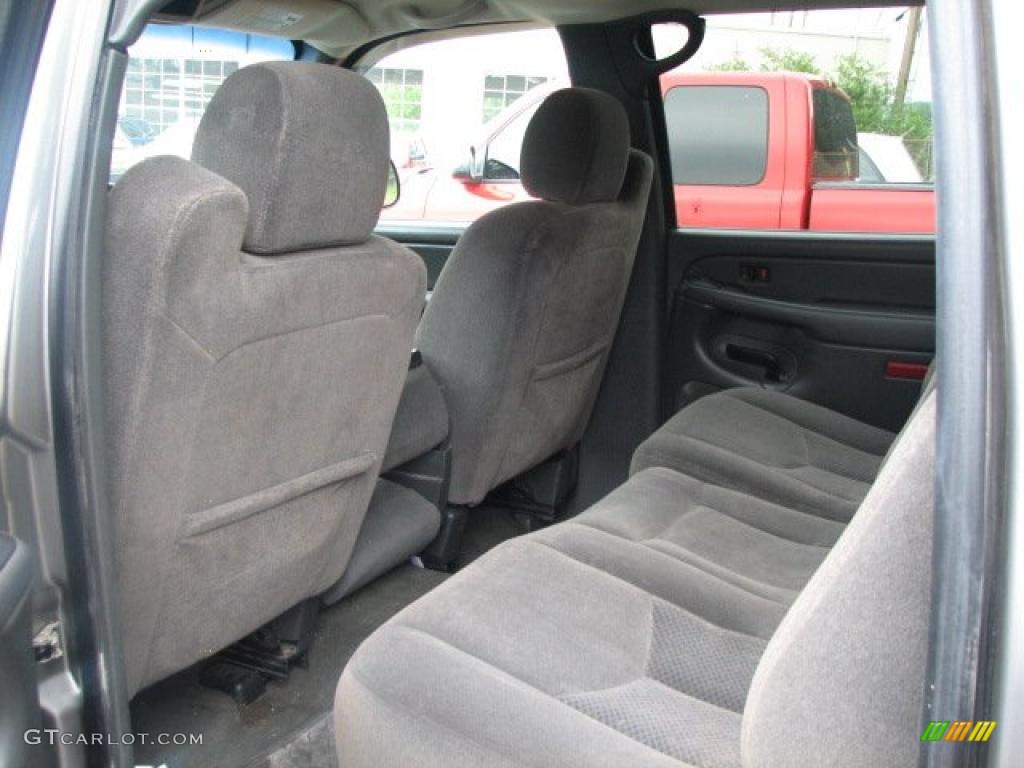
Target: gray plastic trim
[
  {"x": 971, "y": 355},
  {"x": 841, "y": 324}
]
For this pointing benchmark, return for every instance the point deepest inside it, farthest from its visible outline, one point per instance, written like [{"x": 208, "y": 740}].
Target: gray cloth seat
[
  {"x": 773, "y": 445},
  {"x": 421, "y": 422},
  {"x": 522, "y": 317},
  {"x": 778, "y": 447},
  {"x": 666, "y": 516},
  {"x": 596, "y": 643},
  {"x": 256, "y": 336},
  {"x": 398, "y": 523}
]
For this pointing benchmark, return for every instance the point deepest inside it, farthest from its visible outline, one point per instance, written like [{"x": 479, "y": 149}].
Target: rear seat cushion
[
  {"x": 532, "y": 657},
  {"x": 612, "y": 639},
  {"x": 763, "y": 548},
  {"x": 774, "y": 446},
  {"x": 602, "y": 642}
]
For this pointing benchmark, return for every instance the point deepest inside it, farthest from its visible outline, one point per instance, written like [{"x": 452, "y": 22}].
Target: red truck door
[
  {"x": 727, "y": 143},
  {"x": 843, "y": 196},
  {"x": 907, "y": 208}
]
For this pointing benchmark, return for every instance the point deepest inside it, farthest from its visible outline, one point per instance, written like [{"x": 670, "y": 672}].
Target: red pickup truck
[{"x": 764, "y": 150}]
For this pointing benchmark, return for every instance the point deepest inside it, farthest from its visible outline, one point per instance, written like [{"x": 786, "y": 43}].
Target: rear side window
[
  {"x": 862, "y": 163},
  {"x": 173, "y": 72},
  {"x": 836, "y": 154},
  {"x": 718, "y": 135}
]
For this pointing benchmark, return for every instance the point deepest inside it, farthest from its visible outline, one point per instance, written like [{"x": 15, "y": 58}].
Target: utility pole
[{"x": 913, "y": 29}]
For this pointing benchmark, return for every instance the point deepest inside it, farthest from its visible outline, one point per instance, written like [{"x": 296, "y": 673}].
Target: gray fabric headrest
[
  {"x": 308, "y": 144},
  {"x": 576, "y": 148}
]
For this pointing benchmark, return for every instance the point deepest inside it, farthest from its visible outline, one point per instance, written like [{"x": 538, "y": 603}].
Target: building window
[
  {"x": 173, "y": 72},
  {"x": 502, "y": 90},
  {"x": 164, "y": 91},
  {"x": 402, "y": 90}
]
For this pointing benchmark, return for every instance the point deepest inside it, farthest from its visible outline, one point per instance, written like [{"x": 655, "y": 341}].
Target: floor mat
[
  {"x": 312, "y": 748},
  {"x": 281, "y": 724}
]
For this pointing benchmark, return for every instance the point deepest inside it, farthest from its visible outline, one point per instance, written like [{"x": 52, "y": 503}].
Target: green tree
[
  {"x": 736, "y": 64},
  {"x": 788, "y": 60},
  {"x": 872, "y": 97},
  {"x": 915, "y": 121},
  {"x": 868, "y": 89}
]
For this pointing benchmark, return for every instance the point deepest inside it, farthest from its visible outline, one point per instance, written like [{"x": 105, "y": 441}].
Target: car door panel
[
  {"x": 852, "y": 324},
  {"x": 19, "y": 705},
  {"x": 846, "y": 321}
]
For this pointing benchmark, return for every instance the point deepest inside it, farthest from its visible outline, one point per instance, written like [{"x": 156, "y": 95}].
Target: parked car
[
  {"x": 794, "y": 160},
  {"x": 885, "y": 160},
  {"x": 139, "y": 132},
  {"x": 175, "y": 140},
  {"x": 124, "y": 153}
]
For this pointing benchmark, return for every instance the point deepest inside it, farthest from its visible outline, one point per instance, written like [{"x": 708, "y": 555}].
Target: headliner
[{"x": 338, "y": 27}]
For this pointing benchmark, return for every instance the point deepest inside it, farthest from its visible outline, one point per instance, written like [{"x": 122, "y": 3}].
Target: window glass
[
  {"x": 719, "y": 134},
  {"x": 173, "y": 72},
  {"x": 859, "y": 158},
  {"x": 458, "y": 110},
  {"x": 836, "y": 155},
  {"x": 504, "y": 149},
  {"x": 501, "y": 90},
  {"x": 402, "y": 90}
]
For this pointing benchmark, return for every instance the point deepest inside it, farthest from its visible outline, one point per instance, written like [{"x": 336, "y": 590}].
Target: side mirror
[
  {"x": 393, "y": 190},
  {"x": 471, "y": 171}
]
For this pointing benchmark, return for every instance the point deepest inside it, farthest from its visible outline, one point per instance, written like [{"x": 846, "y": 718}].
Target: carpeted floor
[
  {"x": 290, "y": 725},
  {"x": 239, "y": 736},
  {"x": 486, "y": 527},
  {"x": 311, "y": 748}
]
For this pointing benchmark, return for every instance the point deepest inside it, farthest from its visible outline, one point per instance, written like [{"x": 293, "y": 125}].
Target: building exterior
[{"x": 440, "y": 95}]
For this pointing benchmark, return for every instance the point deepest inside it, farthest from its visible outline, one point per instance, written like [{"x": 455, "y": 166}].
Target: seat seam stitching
[
  {"x": 769, "y": 468},
  {"x": 702, "y": 503},
  {"x": 695, "y": 565},
  {"x": 641, "y": 589},
  {"x": 700, "y": 565},
  {"x": 662, "y": 535},
  {"x": 803, "y": 427},
  {"x": 669, "y": 688},
  {"x": 281, "y": 334},
  {"x": 803, "y": 465}
]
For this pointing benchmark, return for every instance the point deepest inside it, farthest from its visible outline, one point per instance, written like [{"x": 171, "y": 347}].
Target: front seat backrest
[
  {"x": 522, "y": 318},
  {"x": 256, "y": 335}
]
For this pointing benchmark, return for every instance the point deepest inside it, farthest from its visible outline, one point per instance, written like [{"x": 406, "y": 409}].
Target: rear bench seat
[
  {"x": 775, "y": 446},
  {"x": 778, "y": 447},
  {"x": 677, "y": 622}
]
